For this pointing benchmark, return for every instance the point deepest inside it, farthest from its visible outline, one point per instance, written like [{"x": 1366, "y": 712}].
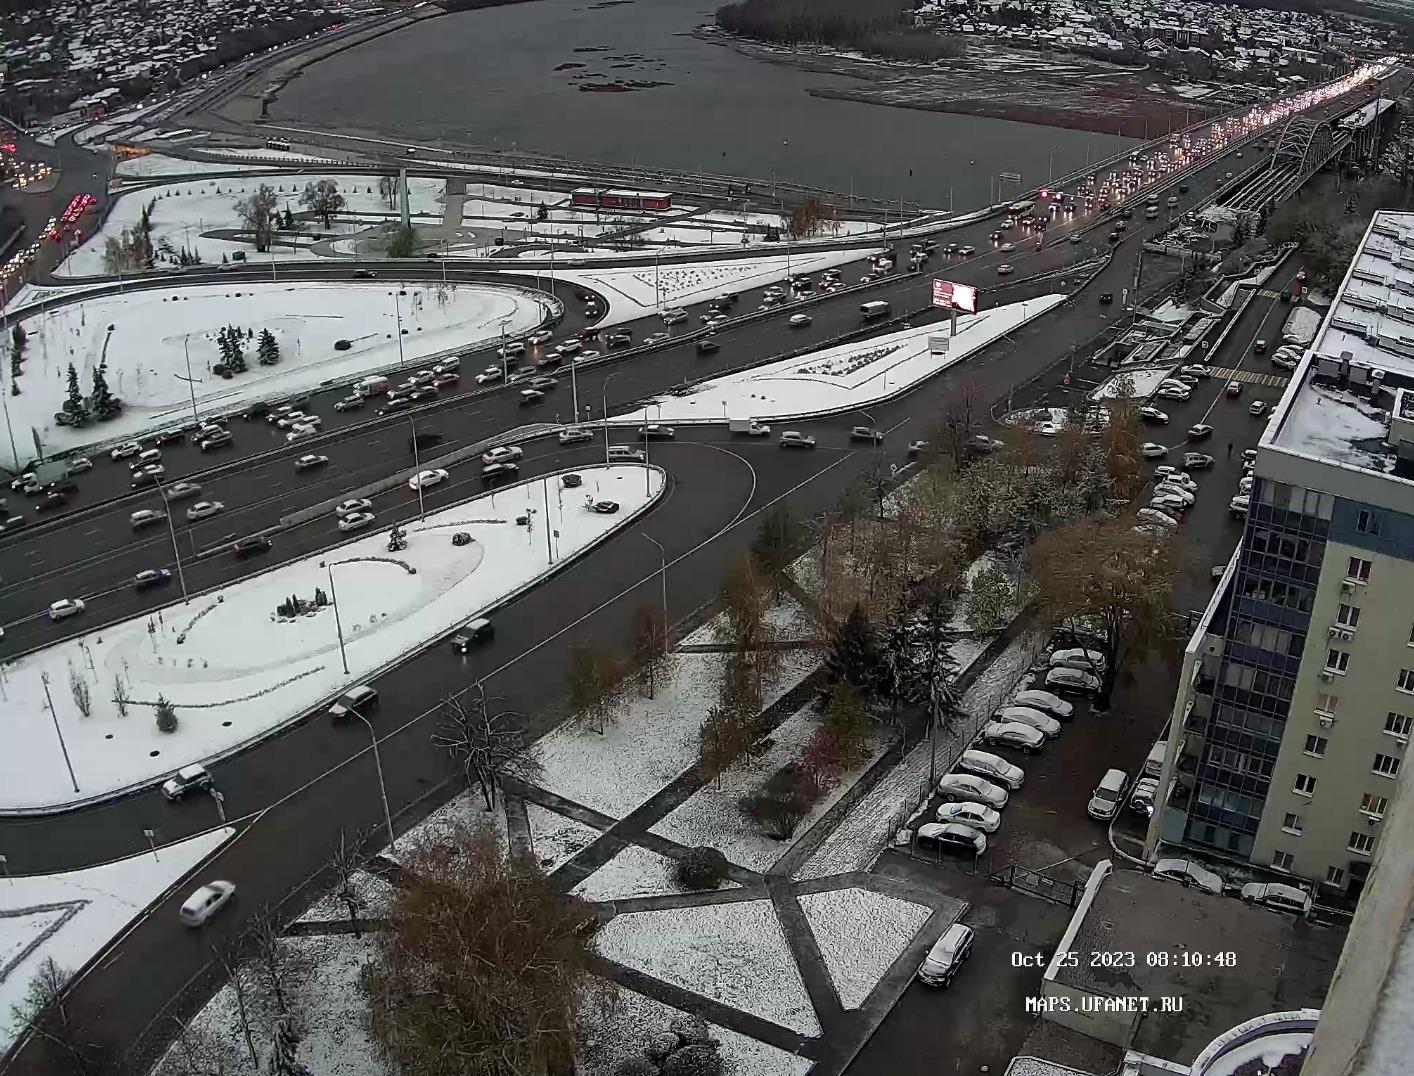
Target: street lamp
[
  {"x": 604, "y": 402},
  {"x": 398, "y": 314},
  {"x": 382, "y": 787},
  {"x": 417, "y": 470},
  {"x": 663, "y": 574},
  {"x": 338, "y": 624},
  {"x": 176, "y": 550}
]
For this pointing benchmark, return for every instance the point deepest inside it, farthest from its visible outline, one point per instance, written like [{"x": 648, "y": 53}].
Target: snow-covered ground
[
  {"x": 70, "y": 917},
  {"x": 841, "y": 378},
  {"x": 1142, "y": 383},
  {"x": 234, "y": 670},
  {"x": 733, "y": 953},
  {"x": 144, "y": 339},
  {"x": 182, "y": 211},
  {"x": 635, "y": 292},
  {"x": 633, "y": 872},
  {"x": 555, "y": 837},
  {"x": 159, "y": 164},
  {"x": 261, "y": 153},
  {"x": 860, "y": 934}
]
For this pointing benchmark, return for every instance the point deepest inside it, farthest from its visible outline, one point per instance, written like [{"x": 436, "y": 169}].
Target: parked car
[
  {"x": 1174, "y": 392},
  {"x": 1072, "y": 681},
  {"x": 968, "y": 786},
  {"x": 198, "y": 908},
  {"x": 1196, "y": 461},
  {"x": 1013, "y": 734},
  {"x": 204, "y": 510},
  {"x": 951, "y": 837},
  {"x": 1199, "y": 431},
  {"x": 1285, "y": 362},
  {"x": 946, "y": 955},
  {"x": 1044, "y": 701},
  {"x": 1276, "y": 895},
  {"x": 1172, "y": 477},
  {"x": 1239, "y": 505},
  {"x": 979, "y": 816},
  {"x": 1141, "y": 800},
  {"x": 151, "y": 577},
  {"x": 796, "y": 439},
  {"x": 427, "y": 479},
  {"x": 1078, "y": 658},
  {"x": 1152, "y": 450},
  {"x": 1154, "y": 415},
  {"x": 65, "y": 608},
  {"x": 1158, "y": 517},
  {"x": 1257, "y": 408},
  {"x": 604, "y": 508},
  {"x": 1108, "y": 795},
  {"x": 1187, "y": 873},
  {"x": 1042, "y": 722},
  {"x": 193, "y": 778},
  {"x": 993, "y": 767}
]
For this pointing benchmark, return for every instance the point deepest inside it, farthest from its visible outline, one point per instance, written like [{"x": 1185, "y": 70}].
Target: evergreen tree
[
  {"x": 237, "y": 363},
  {"x": 847, "y": 725},
  {"x": 223, "y": 343},
  {"x": 102, "y": 399},
  {"x": 289, "y": 220},
  {"x": 854, "y": 656},
  {"x": 269, "y": 351},
  {"x": 74, "y": 404},
  {"x": 166, "y": 715}
]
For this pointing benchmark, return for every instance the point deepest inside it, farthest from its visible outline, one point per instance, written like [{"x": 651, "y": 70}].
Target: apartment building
[{"x": 1296, "y": 703}]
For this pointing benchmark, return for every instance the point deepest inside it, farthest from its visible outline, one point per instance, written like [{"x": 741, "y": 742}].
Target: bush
[
  {"x": 637, "y": 1065},
  {"x": 690, "y": 1028},
  {"x": 659, "y": 1046},
  {"x": 699, "y": 1059},
  {"x": 781, "y": 802},
  {"x": 166, "y": 715},
  {"x": 703, "y": 867}
]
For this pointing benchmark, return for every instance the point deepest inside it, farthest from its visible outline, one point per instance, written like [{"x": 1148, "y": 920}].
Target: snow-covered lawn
[
  {"x": 733, "y": 953},
  {"x": 711, "y": 815},
  {"x": 183, "y": 210},
  {"x": 631, "y": 293},
  {"x": 1142, "y": 384},
  {"x": 633, "y": 872},
  {"x": 234, "y": 670},
  {"x": 860, "y": 934},
  {"x": 158, "y": 164},
  {"x": 70, "y": 917},
  {"x": 652, "y": 740},
  {"x": 556, "y": 838},
  {"x": 144, "y": 339},
  {"x": 841, "y": 378}
]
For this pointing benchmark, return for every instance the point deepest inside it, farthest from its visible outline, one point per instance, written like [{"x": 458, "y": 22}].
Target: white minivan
[
  {"x": 1154, "y": 762},
  {"x": 1108, "y": 795}
]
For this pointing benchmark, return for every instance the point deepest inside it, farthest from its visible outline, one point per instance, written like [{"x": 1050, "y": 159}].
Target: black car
[
  {"x": 461, "y": 538},
  {"x": 707, "y": 347},
  {"x": 618, "y": 339},
  {"x": 50, "y": 501},
  {"x": 1106, "y": 297},
  {"x": 1183, "y": 188},
  {"x": 152, "y": 577},
  {"x": 424, "y": 439},
  {"x": 476, "y": 632},
  {"x": 395, "y": 403},
  {"x": 604, "y": 508},
  {"x": 247, "y": 547},
  {"x": 572, "y": 481},
  {"x": 216, "y": 440},
  {"x": 499, "y": 472},
  {"x": 259, "y": 409},
  {"x": 166, "y": 437},
  {"x": 363, "y": 274},
  {"x": 143, "y": 479},
  {"x": 424, "y": 392}
]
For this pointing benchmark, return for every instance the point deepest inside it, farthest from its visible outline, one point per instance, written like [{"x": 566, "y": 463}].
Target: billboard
[{"x": 952, "y": 296}]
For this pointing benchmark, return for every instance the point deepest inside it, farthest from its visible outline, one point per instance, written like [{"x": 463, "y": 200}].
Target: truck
[
  {"x": 370, "y": 386},
  {"x": 1021, "y": 207},
  {"x": 876, "y": 309},
  {"x": 748, "y": 426}
]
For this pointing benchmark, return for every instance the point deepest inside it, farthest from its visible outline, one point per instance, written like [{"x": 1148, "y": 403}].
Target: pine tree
[
  {"x": 281, "y": 1060},
  {"x": 237, "y": 363},
  {"x": 74, "y": 404},
  {"x": 269, "y": 351},
  {"x": 854, "y": 656},
  {"x": 102, "y": 399},
  {"x": 166, "y": 715},
  {"x": 223, "y": 342}
]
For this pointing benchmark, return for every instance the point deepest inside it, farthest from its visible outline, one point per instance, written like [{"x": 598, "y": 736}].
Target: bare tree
[
  {"x": 877, "y": 477},
  {"x": 228, "y": 953},
  {"x": 746, "y": 599},
  {"x": 595, "y": 684},
  {"x": 65, "y": 1041},
  {"x": 282, "y": 971},
  {"x": 347, "y": 862},
  {"x": 648, "y": 643},
  {"x": 725, "y": 736},
  {"x": 78, "y": 686},
  {"x": 960, "y": 414},
  {"x": 197, "y": 1052},
  {"x": 322, "y": 198},
  {"x": 487, "y": 747},
  {"x": 388, "y": 191},
  {"x": 258, "y": 214},
  {"x": 484, "y": 966}
]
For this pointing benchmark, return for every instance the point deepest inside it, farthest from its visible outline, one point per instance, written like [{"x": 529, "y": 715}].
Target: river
[{"x": 490, "y": 78}]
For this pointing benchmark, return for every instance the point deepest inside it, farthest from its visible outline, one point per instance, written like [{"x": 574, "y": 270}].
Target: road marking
[{"x": 1249, "y": 377}]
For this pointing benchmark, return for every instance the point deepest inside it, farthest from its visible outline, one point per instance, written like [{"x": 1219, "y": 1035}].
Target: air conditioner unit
[
  {"x": 1326, "y": 721},
  {"x": 1370, "y": 820},
  {"x": 1347, "y": 586},
  {"x": 1326, "y": 675},
  {"x": 1332, "y": 632},
  {"x": 1346, "y": 636}
]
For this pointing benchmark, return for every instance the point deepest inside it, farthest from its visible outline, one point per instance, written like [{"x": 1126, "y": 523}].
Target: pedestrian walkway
[{"x": 1250, "y": 377}]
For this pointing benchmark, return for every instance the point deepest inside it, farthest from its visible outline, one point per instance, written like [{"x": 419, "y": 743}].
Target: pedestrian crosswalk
[{"x": 1249, "y": 377}]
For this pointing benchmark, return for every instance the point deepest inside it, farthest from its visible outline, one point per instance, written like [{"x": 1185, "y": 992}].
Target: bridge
[{"x": 1305, "y": 146}]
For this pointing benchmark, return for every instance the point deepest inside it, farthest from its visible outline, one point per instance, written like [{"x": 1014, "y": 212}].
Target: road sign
[
  {"x": 951, "y": 296},
  {"x": 1009, "y": 177}
]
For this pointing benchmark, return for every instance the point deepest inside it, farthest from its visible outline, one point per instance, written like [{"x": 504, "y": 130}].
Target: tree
[
  {"x": 166, "y": 715},
  {"x": 847, "y": 723},
  {"x": 488, "y": 748},
  {"x": 775, "y": 544},
  {"x": 952, "y": 433},
  {"x": 1099, "y": 573},
  {"x": 268, "y": 351},
  {"x": 347, "y": 861},
  {"x": 236, "y": 344},
  {"x": 101, "y": 399},
  {"x": 282, "y": 973},
  {"x": 703, "y": 867},
  {"x": 483, "y": 966},
  {"x": 746, "y": 599},
  {"x": 782, "y": 801},
  {"x": 990, "y": 598},
  {"x": 288, "y": 222},
  {"x": 228, "y": 953},
  {"x": 74, "y": 402},
  {"x": 66, "y": 1044},
  {"x": 281, "y": 1060},
  {"x": 257, "y": 212},
  {"x": 388, "y": 191},
  {"x": 403, "y": 244},
  {"x": 726, "y": 734},
  {"x": 877, "y": 477},
  {"x": 809, "y": 218},
  {"x": 595, "y": 684},
  {"x": 648, "y": 645},
  {"x": 854, "y": 656},
  {"x": 322, "y": 198},
  {"x": 83, "y": 697}
]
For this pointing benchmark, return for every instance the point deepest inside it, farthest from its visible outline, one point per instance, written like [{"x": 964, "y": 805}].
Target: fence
[{"x": 1015, "y": 876}]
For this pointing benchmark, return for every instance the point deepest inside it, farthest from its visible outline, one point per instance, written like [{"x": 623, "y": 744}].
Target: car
[
  {"x": 354, "y": 521},
  {"x": 1187, "y": 873},
  {"x": 1259, "y": 347},
  {"x": 978, "y": 816},
  {"x": 573, "y": 435},
  {"x": 1172, "y": 476},
  {"x": 77, "y": 465},
  {"x": 393, "y": 405},
  {"x": 1197, "y": 461},
  {"x": 502, "y": 454},
  {"x": 866, "y": 433},
  {"x": 673, "y": 315},
  {"x": 1159, "y": 517},
  {"x": 1013, "y": 734},
  {"x": 572, "y": 481},
  {"x": 604, "y": 508},
  {"x": 125, "y": 450},
  {"x": 1007, "y": 248},
  {"x": 656, "y": 432},
  {"x": 951, "y": 837},
  {"x": 530, "y": 396},
  {"x": 490, "y": 374},
  {"x": 352, "y": 505},
  {"x": 291, "y": 418},
  {"x": 569, "y": 347},
  {"x": 350, "y": 403},
  {"x": 708, "y": 347},
  {"x": 917, "y": 447},
  {"x": 355, "y": 701},
  {"x": 1173, "y": 392},
  {"x": 1072, "y": 681},
  {"x": 980, "y": 442},
  {"x": 954, "y": 787},
  {"x": 249, "y": 546},
  {"x": 451, "y": 377},
  {"x": 993, "y": 767},
  {"x": 1042, "y": 722},
  {"x": 1167, "y": 489},
  {"x": 1239, "y": 505},
  {"x": 622, "y": 338},
  {"x": 434, "y": 476},
  {"x": 193, "y": 778},
  {"x": 145, "y": 517},
  {"x": 499, "y": 472},
  {"x": 1078, "y": 658},
  {"x": 656, "y": 338},
  {"x": 1233, "y": 388},
  {"x": 540, "y": 336},
  {"x": 1257, "y": 408},
  {"x": 1141, "y": 799},
  {"x": 65, "y": 608},
  {"x": 799, "y": 321},
  {"x": 204, "y": 510},
  {"x": 1106, "y": 297},
  {"x": 1151, "y": 450},
  {"x": 1045, "y": 702},
  {"x": 1194, "y": 370},
  {"x": 474, "y": 633},
  {"x": 1285, "y": 362},
  {"x": 151, "y": 577},
  {"x": 364, "y": 274},
  {"x": 198, "y": 908},
  {"x": 424, "y": 392},
  {"x": 1005, "y": 270},
  {"x": 587, "y": 354},
  {"x": 1199, "y": 431},
  {"x": 1154, "y": 415},
  {"x": 543, "y": 384},
  {"x": 796, "y": 439},
  {"x": 1107, "y": 796},
  {"x": 461, "y": 538},
  {"x": 216, "y": 440},
  {"x": 946, "y": 955},
  {"x": 1276, "y": 895}
]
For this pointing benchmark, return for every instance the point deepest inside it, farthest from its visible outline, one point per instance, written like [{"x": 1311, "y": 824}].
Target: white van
[
  {"x": 877, "y": 309},
  {"x": 370, "y": 386},
  {"x": 1108, "y": 794},
  {"x": 1154, "y": 763}
]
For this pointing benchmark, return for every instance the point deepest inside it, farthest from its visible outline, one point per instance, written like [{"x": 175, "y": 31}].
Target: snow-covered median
[
  {"x": 842, "y": 378},
  {"x": 159, "y": 164},
  {"x": 144, "y": 339},
  {"x": 234, "y": 669},
  {"x": 860, "y": 934},
  {"x": 69, "y": 918}
]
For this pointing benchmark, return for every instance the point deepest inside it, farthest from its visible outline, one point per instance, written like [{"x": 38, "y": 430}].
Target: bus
[
  {"x": 1021, "y": 207},
  {"x": 277, "y": 143}
]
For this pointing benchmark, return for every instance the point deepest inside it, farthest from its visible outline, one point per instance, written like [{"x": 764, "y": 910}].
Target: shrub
[
  {"x": 703, "y": 867},
  {"x": 698, "y": 1059},
  {"x": 690, "y": 1028},
  {"x": 166, "y": 715},
  {"x": 636, "y": 1065}
]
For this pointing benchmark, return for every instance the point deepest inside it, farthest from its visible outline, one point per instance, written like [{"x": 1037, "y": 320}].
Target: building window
[
  {"x": 1411, "y": 635},
  {"x": 1281, "y": 860},
  {"x": 1406, "y": 680},
  {"x": 1386, "y": 766},
  {"x": 1315, "y": 745},
  {"x": 1359, "y": 569},
  {"x": 1335, "y": 876},
  {"x": 1348, "y": 616},
  {"x": 1327, "y": 703},
  {"x": 1398, "y": 724},
  {"x": 1372, "y": 804},
  {"x": 1361, "y": 843},
  {"x": 1305, "y": 784},
  {"x": 1367, "y": 522},
  {"x": 1339, "y": 660},
  {"x": 1292, "y": 823}
]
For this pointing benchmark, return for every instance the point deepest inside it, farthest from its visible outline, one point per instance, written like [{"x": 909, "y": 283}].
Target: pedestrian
[{"x": 1229, "y": 450}]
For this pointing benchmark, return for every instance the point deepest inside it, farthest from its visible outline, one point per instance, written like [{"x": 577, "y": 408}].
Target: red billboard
[{"x": 952, "y": 296}]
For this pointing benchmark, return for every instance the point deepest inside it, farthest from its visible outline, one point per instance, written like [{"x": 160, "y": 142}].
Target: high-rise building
[{"x": 1296, "y": 701}]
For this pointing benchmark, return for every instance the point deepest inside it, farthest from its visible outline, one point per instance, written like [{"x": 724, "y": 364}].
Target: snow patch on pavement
[{"x": 860, "y": 934}]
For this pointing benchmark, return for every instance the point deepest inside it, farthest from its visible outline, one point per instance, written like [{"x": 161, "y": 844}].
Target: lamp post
[
  {"x": 382, "y": 788},
  {"x": 398, "y": 315},
  {"x": 417, "y": 471},
  {"x": 338, "y": 624},
  {"x": 662, "y": 573},
  {"x": 604, "y": 401},
  {"x": 176, "y": 549}
]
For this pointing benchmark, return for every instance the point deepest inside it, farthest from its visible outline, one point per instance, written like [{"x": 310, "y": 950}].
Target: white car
[
  {"x": 193, "y": 778},
  {"x": 1285, "y": 362},
  {"x": 1005, "y": 270},
  {"x": 204, "y": 510},
  {"x": 490, "y": 374},
  {"x": 427, "y": 479},
  {"x": 1168, "y": 504},
  {"x": 1173, "y": 392},
  {"x": 540, "y": 336},
  {"x": 1153, "y": 451},
  {"x": 569, "y": 347},
  {"x": 503, "y": 454},
  {"x": 144, "y": 517},
  {"x": 572, "y": 435},
  {"x": 1013, "y": 734},
  {"x": 77, "y": 465},
  {"x": 1153, "y": 414},
  {"x": 1171, "y": 477},
  {"x": 1240, "y": 505},
  {"x": 951, "y": 837},
  {"x": 206, "y": 902},
  {"x": 1157, "y": 517},
  {"x": 993, "y": 767},
  {"x": 513, "y": 350},
  {"x": 1169, "y": 489},
  {"x": 966, "y": 786},
  {"x": 66, "y": 607},
  {"x": 1257, "y": 408},
  {"x": 354, "y": 504},
  {"x": 947, "y": 955},
  {"x": 126, "y": 449},
  {"x": 300, "y": 432},
  {"x": 1072, "y": 680},
  {"x": 799, "y": 321},
  {"x": 1197, "y": 461},
  {"x": 354, "y": 521},
  {"x": 1045, "y": 701},
  {"x": 1284, "y": 898},
  {"x": 796, "y": 439},
  {"x": 1077, "y": 658},
  {"x": 1187, "y": 873},
  {"x": 1043, "y": 723},
  {"x": 979, "y": 816},
  {"x": 292, "y": 418}
]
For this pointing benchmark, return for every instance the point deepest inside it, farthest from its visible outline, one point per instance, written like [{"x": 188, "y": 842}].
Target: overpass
[{"x": 1305, "y": 146}]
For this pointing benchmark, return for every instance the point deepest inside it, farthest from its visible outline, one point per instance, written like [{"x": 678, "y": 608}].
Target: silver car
[
  {"x": 1013, "y": 734},
  {"x": 968, "y": 786},
  {"x": 993, "y": 767},
  {"x": 979, "y": 816},
  {"x": 1187, "y": 873},
  {"x": 1042, "y": 722}
]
